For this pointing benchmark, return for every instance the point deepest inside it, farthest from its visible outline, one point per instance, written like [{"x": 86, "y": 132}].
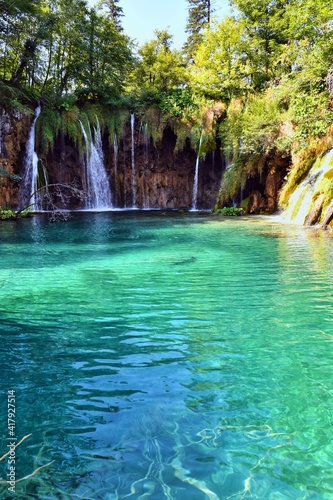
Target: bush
[
  {"x": 229, "y": 211},
  {"x": 6, "y": 214}
]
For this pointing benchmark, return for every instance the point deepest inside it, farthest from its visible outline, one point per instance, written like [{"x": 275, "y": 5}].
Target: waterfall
[
  {"x": 29, "y": 195},
  {"x": 299, "y": 203},
  {"x": 98, "y": 193},
  {"x": 115, "y": 153},
  {"x": 196, "y": 177},
  {"x": 146, "y": 163},
  {"x": 133, "y": 163}
]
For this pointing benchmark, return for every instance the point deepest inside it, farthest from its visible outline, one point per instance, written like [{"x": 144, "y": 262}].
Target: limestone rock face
[
  {"x": 262, "y": 191},
  {"x": 142, "y": 174},
  {"x": 276, "y": 171},
  {"x": 14, "y": 131}
]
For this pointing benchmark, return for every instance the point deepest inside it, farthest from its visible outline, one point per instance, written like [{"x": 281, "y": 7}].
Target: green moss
[
  {"x": 154, "y": 118},
  {"x": 115, "y": 121},
  {"x": 233, "y": 179},
  {"x": 326, "y": 187},
  {"x": 48, "y": 125},
  {"x": 182, "y": 131},
  {"x": 296, "y": 176}
]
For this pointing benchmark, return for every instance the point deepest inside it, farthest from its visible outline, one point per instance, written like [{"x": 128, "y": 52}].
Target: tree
[
  {"x": 19, "y": 36},
  {"x": 102, "y": 58},
  {"x": 159, "y": 68},
  {"x": 115, "y": 12},
  {"x": 199, "y": 18},
  {"x": 220, "y": 69},
  {"x": 265, "y": 29}
]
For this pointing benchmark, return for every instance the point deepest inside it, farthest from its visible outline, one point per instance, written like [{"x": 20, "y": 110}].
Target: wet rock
[
  {"x": 314, "y": 215},
  {"x": 328, "y": 216}
]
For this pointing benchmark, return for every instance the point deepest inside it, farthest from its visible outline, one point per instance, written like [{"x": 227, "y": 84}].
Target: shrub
[{"x": 229, "y": 211}]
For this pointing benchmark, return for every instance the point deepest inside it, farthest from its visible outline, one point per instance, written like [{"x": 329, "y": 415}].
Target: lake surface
[{"x": 168, "y": 356}]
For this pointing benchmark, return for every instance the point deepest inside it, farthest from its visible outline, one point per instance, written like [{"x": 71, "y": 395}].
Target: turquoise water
[{"x": 178, "y": 356}]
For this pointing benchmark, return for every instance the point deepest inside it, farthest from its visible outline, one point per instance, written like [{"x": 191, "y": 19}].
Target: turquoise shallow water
[{"x": 178, "y": 356}]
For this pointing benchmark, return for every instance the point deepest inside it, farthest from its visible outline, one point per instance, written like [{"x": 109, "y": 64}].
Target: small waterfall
[
  {"x": 98, "y": 193},
  {"x": 196, "y": 178},
  {"x": 299, "y": 203},
  {"x": 29, "y": 195},
  {"x": 133, "y": 163},
  {"x": 146, "y": 164},
  {"x": 115, "y": 153}
]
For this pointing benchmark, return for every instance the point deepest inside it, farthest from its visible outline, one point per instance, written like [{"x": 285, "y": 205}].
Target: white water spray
[
  {"x": 98, "y": 193},
  {"x": 29, "y": 193},
  {"x": 196, "y": 177},
  {"x": 300, "y": 201}
]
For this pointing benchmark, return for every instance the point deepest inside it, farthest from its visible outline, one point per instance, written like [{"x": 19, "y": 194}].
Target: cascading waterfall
[
  {"x": 300, "y": 201},
  {"x": 29, "y": 195},
  {"x": 133, "y": 163},
  {"x": 98, "y": 193},
  {"x": 196, "y": 177}
]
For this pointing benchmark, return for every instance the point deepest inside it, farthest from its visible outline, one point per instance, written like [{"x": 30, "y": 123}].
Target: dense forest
[{"x": 257, "y": 86}]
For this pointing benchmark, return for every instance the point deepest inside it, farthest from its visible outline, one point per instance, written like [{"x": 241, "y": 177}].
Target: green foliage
[
  {"x": 115, "y": 120},
  {"x": 247, "y": 76},
  {"x": 178, "y": 102},
  {"x": 309, "y": 113},
  {"x": 233, "y": 179},
  {"x": 154, "y": 118},
  {"x": 183, "y": 131},
  {"x": 220, "y": 69},
  {"x": 6, "y": 214},
  {"x": 7, "y": 175},
  {"x": 48, "y": 126},
  {"x": 12, "y": 98},
  {"x": 159, "y": 68},
  {"x": 199, "y": 14},
  {"x": 301, "y": 168},
  {"x": 115, "y": 12},
  {"x": 252, "y": 127},
  {"x": 229, "y": 211},
  {"x": 325, "y": 187}
]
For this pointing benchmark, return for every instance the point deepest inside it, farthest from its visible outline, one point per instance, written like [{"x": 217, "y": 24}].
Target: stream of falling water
[
  {"x": 29, "y": 195},
  {"x": 196, "y": 177},
  {"x": 98, "y": 193},
  {"x": 300, "y": 201}
]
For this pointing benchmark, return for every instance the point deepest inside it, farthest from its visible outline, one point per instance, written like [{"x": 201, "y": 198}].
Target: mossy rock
[{"x": 329, "y": 174}]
